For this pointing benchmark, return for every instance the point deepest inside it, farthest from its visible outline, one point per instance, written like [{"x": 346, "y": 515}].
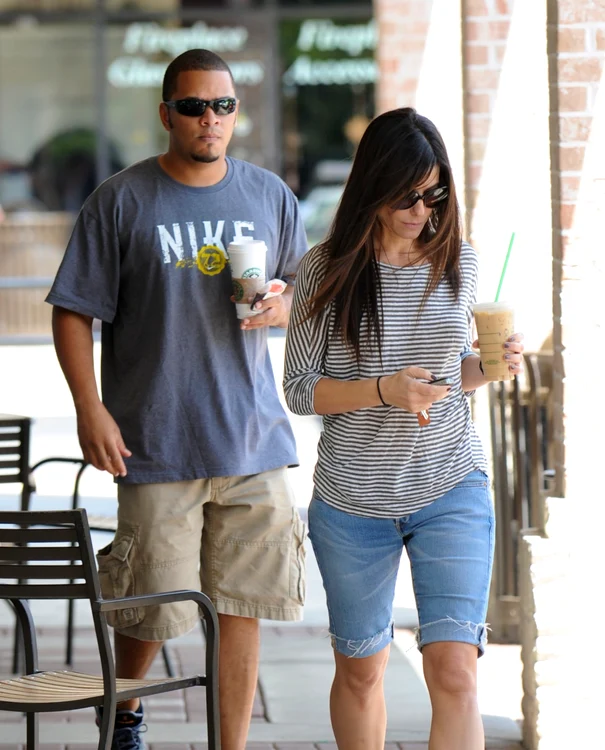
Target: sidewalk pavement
[
  {"x": 291, "y": 710},
  {"x": 291, "y": 705}
]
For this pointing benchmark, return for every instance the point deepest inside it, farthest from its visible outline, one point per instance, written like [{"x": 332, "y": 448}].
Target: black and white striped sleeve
[
  {"x": 306, "y": 339},
  {"x": 471, "y": 267}
]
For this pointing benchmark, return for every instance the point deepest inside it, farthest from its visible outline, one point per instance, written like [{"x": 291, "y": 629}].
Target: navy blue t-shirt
[{"x": 194, "y": 395}]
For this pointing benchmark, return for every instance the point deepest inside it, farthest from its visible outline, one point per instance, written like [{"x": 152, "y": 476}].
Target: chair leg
[
  {"x": 212, "y": 694},
  {"x": 168, "y": 662},
  {"x": 17, "y": 646},
  {"x": 106, "y": 728},
  {"x": 69, "y": 634},
  {"x": 32, "y": 732}
]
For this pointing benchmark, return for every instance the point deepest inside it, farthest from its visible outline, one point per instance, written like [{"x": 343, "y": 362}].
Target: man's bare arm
[{"x": 99, "y": 435}]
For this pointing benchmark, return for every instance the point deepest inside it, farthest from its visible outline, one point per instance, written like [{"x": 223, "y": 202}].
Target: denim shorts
[{"x": 450, "y": 544}]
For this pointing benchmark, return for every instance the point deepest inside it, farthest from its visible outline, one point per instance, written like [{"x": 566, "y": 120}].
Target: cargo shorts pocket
[
  {"x": 297, "y": 562},
  {"x": 116, "y": 577}
]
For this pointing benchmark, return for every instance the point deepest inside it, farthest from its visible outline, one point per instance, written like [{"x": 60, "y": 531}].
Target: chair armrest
[
  {"x": 208, "y": 611},
  {"x": 147, "y": 600},
  {"x": 57, "y": 459},
  {"x": 31, "y": 482}
]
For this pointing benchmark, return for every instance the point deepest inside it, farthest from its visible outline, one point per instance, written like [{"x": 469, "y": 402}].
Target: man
[{"x": 190, "y": 424}]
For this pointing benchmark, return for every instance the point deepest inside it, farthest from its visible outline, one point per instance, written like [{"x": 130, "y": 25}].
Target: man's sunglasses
[
  {"x": 430, "y": 198},
  {"x": 194, "y": 107}
]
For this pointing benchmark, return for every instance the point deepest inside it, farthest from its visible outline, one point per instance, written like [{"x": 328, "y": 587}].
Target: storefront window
[
  {"x": 24, "y": 6},
  {"x": 47, "y": 160},
  {"x": 79, "y": 96},
  {"x": 291, "y": 3},
  {"x": 47, "y": 116},
  {"x": 233, "y": 4},
  {"x": 327, "y": 101},
  {"x": 142, "y": 6}
]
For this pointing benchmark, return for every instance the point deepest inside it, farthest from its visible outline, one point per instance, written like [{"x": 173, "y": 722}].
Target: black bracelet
[
  {"x": 481, "y": 368},
  {"x": 384, "y": 403}
]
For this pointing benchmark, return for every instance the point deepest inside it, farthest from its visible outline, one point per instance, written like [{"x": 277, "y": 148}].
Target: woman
[{"x": 382, "y": 307}]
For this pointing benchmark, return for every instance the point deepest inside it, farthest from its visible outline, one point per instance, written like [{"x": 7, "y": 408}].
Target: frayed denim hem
[
  {"x": 365, "y": 647},
  {"x": 449, "y": 629}
]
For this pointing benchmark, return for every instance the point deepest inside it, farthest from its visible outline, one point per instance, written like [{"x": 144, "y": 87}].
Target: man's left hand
[{"x": 274, "y": 311}]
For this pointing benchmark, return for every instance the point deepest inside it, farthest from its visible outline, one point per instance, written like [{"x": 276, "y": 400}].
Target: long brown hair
[{"x": 398, "y": 151}]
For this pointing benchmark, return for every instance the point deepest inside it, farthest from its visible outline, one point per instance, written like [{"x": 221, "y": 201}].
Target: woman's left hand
[{"x": 513, "y": 352}]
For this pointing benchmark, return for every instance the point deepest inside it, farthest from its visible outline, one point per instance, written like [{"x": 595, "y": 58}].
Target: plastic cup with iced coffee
[{"x": 495, "y": 323}]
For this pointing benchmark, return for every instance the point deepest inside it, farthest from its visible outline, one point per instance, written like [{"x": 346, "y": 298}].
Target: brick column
[
  {"x": 578, "y": 136},
  {"x": 534, "y": 114},
  {"x": 420, "y": 63},
  {"x": 562, "y": 681},
  {"x": 403, "y": 28},
  {"x": 485, "y": 31}
]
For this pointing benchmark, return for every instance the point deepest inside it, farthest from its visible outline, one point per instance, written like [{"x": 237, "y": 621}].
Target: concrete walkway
[{"x": 291, "y": 707}]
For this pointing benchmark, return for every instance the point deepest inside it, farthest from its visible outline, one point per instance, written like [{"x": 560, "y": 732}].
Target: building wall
[
  {"x": 577, "y": 57},
  {"x": 479, "y": 70},
  {"x": 533, "y": 96},
  {"x": 557, "y": 568}
]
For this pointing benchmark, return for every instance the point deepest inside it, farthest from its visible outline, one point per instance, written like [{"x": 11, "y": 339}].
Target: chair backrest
[
  {"x": 14, "y": 448},
  {"x": 47, "y": 555}
]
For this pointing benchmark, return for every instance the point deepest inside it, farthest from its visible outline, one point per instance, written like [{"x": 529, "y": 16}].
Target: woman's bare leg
[
  {"x": 450, "y": 670},
  {"x": 357, "y": 705}
]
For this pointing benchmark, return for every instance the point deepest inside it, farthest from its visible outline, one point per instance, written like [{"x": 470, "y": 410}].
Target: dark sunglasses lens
[
  {"x": 433, "y": 197},
  {"x": 224, "y": 106},
  {"x": 190, "y": 107},
  {"x": 407, "y": 202}
]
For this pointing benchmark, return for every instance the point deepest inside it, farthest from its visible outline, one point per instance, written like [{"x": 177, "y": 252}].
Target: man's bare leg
[
  {"x": 133, "y": 660},
  {"x": 238, "y": 677}
]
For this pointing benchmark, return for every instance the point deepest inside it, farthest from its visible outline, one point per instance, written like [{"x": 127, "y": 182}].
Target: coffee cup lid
[{"x": 247, "y": 242}]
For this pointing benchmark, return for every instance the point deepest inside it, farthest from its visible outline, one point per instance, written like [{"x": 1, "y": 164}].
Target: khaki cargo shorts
[{"x": 239, "y": 539}]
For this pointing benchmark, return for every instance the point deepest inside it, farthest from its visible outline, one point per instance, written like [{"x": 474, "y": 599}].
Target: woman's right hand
[{"x": 406, "y": 390}]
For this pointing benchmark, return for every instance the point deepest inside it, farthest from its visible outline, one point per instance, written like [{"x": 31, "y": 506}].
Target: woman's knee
[
  {"x": 451, "y": 668},
  {"x": 364, "y": 675}
]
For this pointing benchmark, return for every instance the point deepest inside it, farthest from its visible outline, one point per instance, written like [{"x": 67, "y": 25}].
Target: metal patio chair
[
  {"x": 15, "y": 439},
  {"x": 96, "y": 522},
  {"x": 38, "y": 567}
]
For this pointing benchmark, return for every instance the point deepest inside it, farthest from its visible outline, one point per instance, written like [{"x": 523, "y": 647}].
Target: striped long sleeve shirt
[{"x": 379, "y": 462}]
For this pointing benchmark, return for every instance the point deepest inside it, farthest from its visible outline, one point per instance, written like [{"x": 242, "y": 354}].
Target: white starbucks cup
[{"x": 248, "y": 260}]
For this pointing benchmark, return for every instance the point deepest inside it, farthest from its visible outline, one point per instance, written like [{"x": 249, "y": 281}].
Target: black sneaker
[{"x": 128, "y": 729}]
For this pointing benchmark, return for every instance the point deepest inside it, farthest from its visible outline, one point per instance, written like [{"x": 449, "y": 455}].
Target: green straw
[{"x": 503, "y": 274}]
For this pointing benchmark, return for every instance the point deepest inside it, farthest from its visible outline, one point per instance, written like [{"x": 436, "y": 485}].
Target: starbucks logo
[
  {"x": 238, "y": 291},
  {"x": 252, "y": 273}
]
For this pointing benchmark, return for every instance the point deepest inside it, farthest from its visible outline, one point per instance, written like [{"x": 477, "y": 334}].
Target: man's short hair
[{"x": 192, "y": 59}]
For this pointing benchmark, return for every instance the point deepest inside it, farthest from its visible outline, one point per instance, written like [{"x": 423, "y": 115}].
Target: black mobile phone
[{"x": 442, "y": 381}]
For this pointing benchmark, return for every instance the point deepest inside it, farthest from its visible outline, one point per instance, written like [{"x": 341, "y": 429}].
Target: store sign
[
  {"x": 151, "y": 38},
  {"x": 328, "y": 37},
  {"x": 318, "y": 37},
  {"x": 141, "y": 39}
]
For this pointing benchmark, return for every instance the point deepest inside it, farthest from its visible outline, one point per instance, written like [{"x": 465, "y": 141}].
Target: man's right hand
[{"x": 101, "y": 440}]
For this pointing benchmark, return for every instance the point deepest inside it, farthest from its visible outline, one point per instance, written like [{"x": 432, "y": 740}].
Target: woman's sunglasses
[
  {"x": 430, "y": 198},
  {"x": 194, "y": 107}
]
